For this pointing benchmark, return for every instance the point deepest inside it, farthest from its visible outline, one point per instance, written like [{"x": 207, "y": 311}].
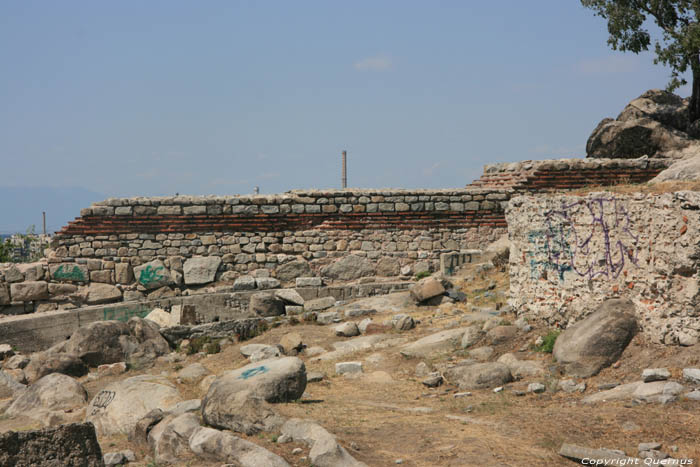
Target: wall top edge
[{"x": 578, "y": 163}]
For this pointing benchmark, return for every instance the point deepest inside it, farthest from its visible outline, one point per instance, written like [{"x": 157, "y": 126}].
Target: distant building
[{"x": 28, "y": 247}]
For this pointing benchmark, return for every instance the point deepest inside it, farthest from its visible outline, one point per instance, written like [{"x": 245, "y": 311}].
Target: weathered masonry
[
  {"x": 134, "y": 248},
  {"x": 569, "y": 253}
]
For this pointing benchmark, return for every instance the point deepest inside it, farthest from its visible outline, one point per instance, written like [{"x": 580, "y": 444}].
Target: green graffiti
[
  {"x": 149, "y": 275},
  {"x": 124, "y": 314},
  {"x": 74, "y": 274}
]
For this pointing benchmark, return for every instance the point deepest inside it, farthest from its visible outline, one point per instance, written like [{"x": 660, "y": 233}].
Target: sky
[{"x": 133, "y": 98}]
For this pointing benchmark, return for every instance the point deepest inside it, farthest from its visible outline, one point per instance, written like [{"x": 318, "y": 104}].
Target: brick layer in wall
[{"x": 103, "y": 225}]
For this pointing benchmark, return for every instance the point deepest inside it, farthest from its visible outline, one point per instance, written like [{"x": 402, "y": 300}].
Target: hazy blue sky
[{"x": 128, "y": 98}]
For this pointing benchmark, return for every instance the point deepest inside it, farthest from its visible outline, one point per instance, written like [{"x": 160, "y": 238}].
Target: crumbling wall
[{"x": 569, "y": 253}]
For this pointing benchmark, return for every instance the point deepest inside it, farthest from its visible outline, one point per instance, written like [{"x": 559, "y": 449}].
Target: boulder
[
  {"x": 691, "y": 375},
  {"x": 598, "y": 340},
  {"x": 266, "y": 304},
  {"x": 267, "y": 352},
  {"x": 479, "y": 375},
  {"x": 48, "y": 361},
  {"x": 98, "y": 293},
  {"x": 293, "y": 269},
  {"x": 201, "y": 269},
  {"x": 243, "y": 413},
  {"x": 214, "y": 445},
  {"x": 349, "y": 268},
  {"x": 319, "y": 304},
  {"x": 481, "y": 354},
  {"x": 291, "y": 343},
  {"x": 169, "y": 439},
  {"x": 139, "y": 434},
  {"x": 290, "y": 296},
  {"x": 347, "y": 329},
  {"x": 402, "y": 322},
  {"x": 501, "y": 334},
  {"x": 658, "y": 391},
  {"x": 146, "y": 342},
  {"x": 72, "y": 445},
  {"x": 440, "y": 342},
  {"x": 119, "y": 406},
  {"x": 471, "y": 336},
  {"x": 249, "y": 349},
  {"x": 54, "y": 392},
  {"x": 655, "y": 124},
  {"x": 8, "y": 386},
  {"x": 193, "y": 373},
  {"x": 426, "y": 288},
  {"x": 153, "y": 275},
  {"x": 521, "y": 368},
  {"x": 325, "y": 450},
  {"x": 29, "y": 291},
  {"x": 276, "y": 380},
  {"x": 684, "y": 169}
]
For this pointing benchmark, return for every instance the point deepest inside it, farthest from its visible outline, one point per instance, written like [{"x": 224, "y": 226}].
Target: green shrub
[
  {"x": 548, "y": 341},
  {"x": 203, "y": 344},
  {"x": 422, "y": 275}
]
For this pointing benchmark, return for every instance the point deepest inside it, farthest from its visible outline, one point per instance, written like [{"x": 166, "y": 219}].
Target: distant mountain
[{"x": 21, "y": 207}]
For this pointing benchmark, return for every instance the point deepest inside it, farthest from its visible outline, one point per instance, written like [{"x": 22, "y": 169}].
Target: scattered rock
[
  {"x": 214, "y": 445},
  {"x": 314, "y": 377},
  {"x": 522, "y": 368},
  {"x": 54, "y": 392},
  {"x": 325, "y": 450},
  {"x": 192, "y": 373},
  {"x": 169, "y": 439},
  {"x": 501, "y": 334},
  {"x": 328, "y": 317},
  {"x": 440, "y": 342},
  {"x": 598, "y": 340},
  {"x": 433, "y": 380},
  {"x": 74, "y": 445},
  {"x": 692, "y": 375},
  {"x": 582, "y": 454},
  {"x": 343, "y": 368},
  {"x": 291, "y": 343},
  {"x": 569, "y": 385},
  {"x": 481, "y": 354},
  {"x": 658, "y": 391},
  {"x": 347, "y": 329},
  {"x": 471, "y": 336},
  {"x": 402, "y": 322},
  {"x": 479, "y": 375},
  {"x": 290, "y": 296},
  {"x": 9, "y": 386},
  {"x": 423, "y": 370},
  {"x": 267, "y": 352},
  {"x": 6, "y": 351},
  {"x": 536, "y": 388},
  {"x": 655, "y": 374},
  {"x": 48, "y": 361},
  {"x": 362, "y": 325},
  {"x": 160, "y": 317},
  {"x": 426, "y": 289}
]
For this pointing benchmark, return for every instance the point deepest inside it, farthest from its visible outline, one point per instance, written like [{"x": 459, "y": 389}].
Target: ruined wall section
[{"x": 569, "y": 253}]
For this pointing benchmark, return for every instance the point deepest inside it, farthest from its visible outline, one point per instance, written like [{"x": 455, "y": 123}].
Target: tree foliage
[{"x": 679, "y": 45}]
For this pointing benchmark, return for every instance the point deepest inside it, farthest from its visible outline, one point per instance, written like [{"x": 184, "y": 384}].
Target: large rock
[
  {"x": 214, "y": 445},
  {"x": 100, "y": 342},
  {"x": 54, "y": 392},
  {"x": 657, "y": 391},
  {"x": 685, "y": 169},
  {"x": 153, "y": 275},
  {"x": 159, "y": 316},
  {"x": 49, "y": 361},
  {"x": 290, "y": 296},
  {"x": 440, "y": 342},
  {"x": 276, "y": 380},
  {"x": 325, "y": 450},
  {"x": 479, "y": 375},
  {"x": 654, "y": 124},
  {"x": 349, "y": 268},
  {"x": 29, "y": 291},
  {"x": 241, "y": 412},
  {"x": 266, "y": 304},
  {"x": 201, "y": 270},
  {"x": 293, "y": 269},
  {"x": 119, "y": 406},
  {"x": 522, "y": 368},
  {"x": 426, "y": 289},
  {"x": 169, "y": 439},
  {"x": 598, "y": 340},
  {"x": 98, "y": 293},
  {"x": 8, "y": 386},
  {"x": 73, "y": 445}
]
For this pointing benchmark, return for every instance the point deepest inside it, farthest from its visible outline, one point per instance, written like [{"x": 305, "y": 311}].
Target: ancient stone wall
[
  {"x": 569, "y": 253},
  {"x": 133, "y": 248}
]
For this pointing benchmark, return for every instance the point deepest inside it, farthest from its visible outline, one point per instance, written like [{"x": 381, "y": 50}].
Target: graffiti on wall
[
  {"x": 591, "y": 238},
  {"x": 69, "y": 272},
  {"x": 151, "y": 275}
]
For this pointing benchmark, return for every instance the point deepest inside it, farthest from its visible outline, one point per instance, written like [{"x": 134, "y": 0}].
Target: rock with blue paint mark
[{"x": 274, "y": 380}]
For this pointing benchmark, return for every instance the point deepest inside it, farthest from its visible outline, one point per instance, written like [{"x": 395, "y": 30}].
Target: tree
[
  {"x": 5, "y": 250},
  {"x": 679, "y": 47}
]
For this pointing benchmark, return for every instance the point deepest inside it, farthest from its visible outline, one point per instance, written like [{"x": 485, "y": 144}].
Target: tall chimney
[{"x": 345, "y": 170}]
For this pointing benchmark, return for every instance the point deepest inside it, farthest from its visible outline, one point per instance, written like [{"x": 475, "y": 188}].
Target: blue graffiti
[
  {"x": 249, "y": 373},
  {"x": 566, "y": 244}
]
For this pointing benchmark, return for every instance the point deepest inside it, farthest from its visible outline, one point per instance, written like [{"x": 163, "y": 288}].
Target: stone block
[{"x": 29, "y": 291}]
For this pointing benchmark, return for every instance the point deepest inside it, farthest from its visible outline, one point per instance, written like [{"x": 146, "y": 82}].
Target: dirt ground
[{"x": 386, "y": 414}]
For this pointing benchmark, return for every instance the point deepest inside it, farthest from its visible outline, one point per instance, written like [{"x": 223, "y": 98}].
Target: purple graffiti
[{"x": 568, "y": 239}]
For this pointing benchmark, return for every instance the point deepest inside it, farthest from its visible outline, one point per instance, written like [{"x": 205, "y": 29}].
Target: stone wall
[
  {"x": 569, "y": 253},
  {"x": 135, "y": 248}
]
